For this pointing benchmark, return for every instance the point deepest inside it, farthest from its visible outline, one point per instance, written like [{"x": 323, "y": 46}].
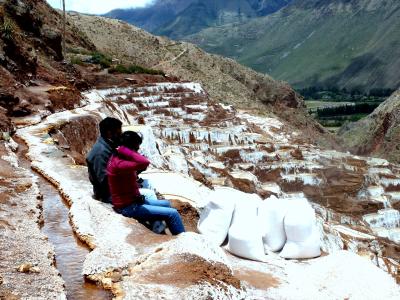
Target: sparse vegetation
[
  {"x": 7, "y": 29},
  {"x": 134, "y": 69},
  {"x": 93, "y": 57},
  {"x": 76, "y": 61},
  {"x": 342, "y": 95},
  {"x": 106, "y": 62},
  {"x": 101, "y": 59},
  {"x": 78, "y": 51}
]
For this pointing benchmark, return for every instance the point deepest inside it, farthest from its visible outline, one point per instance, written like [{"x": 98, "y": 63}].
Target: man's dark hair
[
  {"x": 131, "y": 140},
  {"x": 109, "y": 124}
]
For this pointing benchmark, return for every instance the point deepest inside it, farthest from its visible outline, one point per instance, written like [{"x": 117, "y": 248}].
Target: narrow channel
[{"x": 70, "y": 252}]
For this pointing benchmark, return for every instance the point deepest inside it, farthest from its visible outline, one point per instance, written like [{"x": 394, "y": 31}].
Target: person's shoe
[{"x": 159, "y": 227}]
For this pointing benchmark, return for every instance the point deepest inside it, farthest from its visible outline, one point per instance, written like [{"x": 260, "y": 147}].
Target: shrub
[
  {"x": 78, "y": 51},
  {"x": 7, "y": 29},
  {"x": 119, "y": 69},
  {"x": 380, "y": 92},
  {"x": 134, "y": 69},
  {"x": 101, "y": 59},
  {"x": 76, "y": 61}
]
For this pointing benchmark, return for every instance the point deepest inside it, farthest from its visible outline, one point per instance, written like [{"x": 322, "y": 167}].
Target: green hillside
[
  {"x": 179, "y": 18},
  {"x": 352, "y": 44}
]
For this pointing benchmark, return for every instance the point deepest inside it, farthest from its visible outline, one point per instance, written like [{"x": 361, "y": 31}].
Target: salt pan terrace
[
  {"x": 187, "y": 133},
  {"x": 254, "y": 154}
]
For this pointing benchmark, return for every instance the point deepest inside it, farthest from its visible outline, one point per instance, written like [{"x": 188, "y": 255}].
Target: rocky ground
[
  {"x": 31, "y": 57},
  {"x": 186, "y": 136}
]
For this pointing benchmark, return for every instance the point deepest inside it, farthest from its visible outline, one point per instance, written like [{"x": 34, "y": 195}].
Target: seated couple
[{"x": 114, "y": 164}]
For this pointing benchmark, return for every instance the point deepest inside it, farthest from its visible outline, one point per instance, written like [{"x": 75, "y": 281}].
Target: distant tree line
[
  {"x": 361, "y": 108},
  {"x": 316, "y": 93},
  {"x": 381, "y": 92}
]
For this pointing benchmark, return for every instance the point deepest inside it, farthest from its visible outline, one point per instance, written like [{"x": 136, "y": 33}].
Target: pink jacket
[{"x": 122, "y": 176}]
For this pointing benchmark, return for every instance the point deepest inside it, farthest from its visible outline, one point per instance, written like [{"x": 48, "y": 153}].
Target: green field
[
  {"x": 334, "y": 114},
  {"x": 315, "y": 104}
]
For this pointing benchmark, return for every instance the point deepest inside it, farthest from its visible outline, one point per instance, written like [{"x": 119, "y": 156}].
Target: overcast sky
[{"x": 97, "y": 6}]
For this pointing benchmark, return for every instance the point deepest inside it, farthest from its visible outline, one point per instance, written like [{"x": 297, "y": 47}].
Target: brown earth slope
[
  {"x": 223, "y": 78},
  {"x": 378, "y": 134},
  {"x": 31, "y": 57}
]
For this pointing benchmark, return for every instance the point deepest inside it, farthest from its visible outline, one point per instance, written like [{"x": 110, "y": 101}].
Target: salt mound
[
  {"x": 302, "y": 234},
  {"x": 245, "y": 234},
  {"x": 194, "y": 244},
  {"x": 217, "y": 216},
  {"x": 271, "y": 213}
]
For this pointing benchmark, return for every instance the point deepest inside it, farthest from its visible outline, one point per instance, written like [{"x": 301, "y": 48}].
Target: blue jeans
[
  {"x": 150, "y": 198},
  {"x": 146, "y": 184},
  {"x": 155, "y": 210}
]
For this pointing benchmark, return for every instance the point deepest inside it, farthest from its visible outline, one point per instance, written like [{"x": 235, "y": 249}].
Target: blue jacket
[{"x": 97, "y": 161}]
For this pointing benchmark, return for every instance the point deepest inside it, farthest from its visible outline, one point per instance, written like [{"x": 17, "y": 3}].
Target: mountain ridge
[
  {"x": 177, "y": 19},
  {"x": 328, "y": 44},
  {"x": 318, "y": 43}
]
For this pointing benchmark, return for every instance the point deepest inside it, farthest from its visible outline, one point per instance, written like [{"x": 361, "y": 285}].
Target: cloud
[{"x": 97, "y": 6}]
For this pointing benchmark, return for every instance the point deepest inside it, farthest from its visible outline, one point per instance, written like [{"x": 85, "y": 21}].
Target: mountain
[
  {"x": 351, "y": 44},
  {"x": 153, "y": 16},
  {"x": 379, "y": 133},
  {"x": 177, "y": 19}
]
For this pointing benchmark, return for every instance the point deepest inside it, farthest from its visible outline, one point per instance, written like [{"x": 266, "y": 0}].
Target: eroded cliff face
[
  {"x": 31, "y": 62},
  {"x": 195, "y": 145},
  {"x": 378, "y": 134}
]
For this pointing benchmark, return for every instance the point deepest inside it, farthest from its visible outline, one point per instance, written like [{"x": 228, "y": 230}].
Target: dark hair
[
  {"x": 109, "y": 124},
  {"x": 131, "y": 140}
]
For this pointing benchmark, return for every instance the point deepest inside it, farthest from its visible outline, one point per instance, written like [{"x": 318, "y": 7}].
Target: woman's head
[{"x": 131, "y": 140}]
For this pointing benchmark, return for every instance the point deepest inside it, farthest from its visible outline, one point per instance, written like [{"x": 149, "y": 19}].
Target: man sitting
[
  {"x": 98, "y": 157},
  {"x": 126, "y": 198}
]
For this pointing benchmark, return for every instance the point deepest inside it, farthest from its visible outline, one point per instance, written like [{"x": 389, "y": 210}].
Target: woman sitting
[{"x": 126, "y": 198}]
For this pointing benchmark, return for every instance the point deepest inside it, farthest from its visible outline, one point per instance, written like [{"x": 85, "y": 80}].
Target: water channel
[{"x": 70, "y": 252}]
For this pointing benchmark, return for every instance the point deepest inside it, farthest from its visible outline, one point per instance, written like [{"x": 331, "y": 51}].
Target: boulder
[
  {"x": 53, "y": 40},
  {"x": 8, "y": 101},
  {"x": 5, "y": 124}
]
